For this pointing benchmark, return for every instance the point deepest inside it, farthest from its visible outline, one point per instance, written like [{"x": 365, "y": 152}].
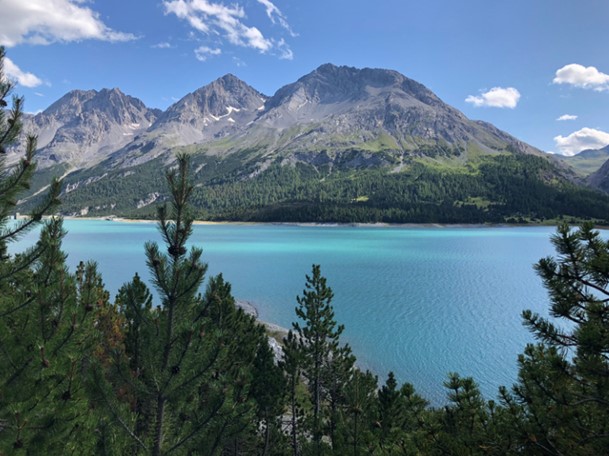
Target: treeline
[
  {"x": 505, "y": 188},
  {"x": 190, "y": 374}
]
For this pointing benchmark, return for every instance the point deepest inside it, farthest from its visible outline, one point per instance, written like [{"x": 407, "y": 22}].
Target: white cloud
[
  {"x": 239, "y": 62},
  {"x": 202, "y": 53},
  {"x": 567, "y": 117},
  {"x": 163, "y": 45},
  {"x": 228, "y": 22},
  {"x": 15, "y": 73},
  {"x": 49, "y": 21},
  {"x": 583, "y": 77},
  {"x": 586, "y": 138},
  {"x": 276, "y": 16},
  {"x": 285, "y": 53},
  {"x": 497, "y": 97},
  {"x": 209, "y": 18}
]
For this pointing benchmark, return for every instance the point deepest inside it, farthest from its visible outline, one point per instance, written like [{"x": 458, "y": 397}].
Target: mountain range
[{"x": 332, "y": 124}]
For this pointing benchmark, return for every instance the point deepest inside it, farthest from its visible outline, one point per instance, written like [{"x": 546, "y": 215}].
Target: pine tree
[
  {"x": 319, "y": 344},
  {"x": 46, "y": 345},
  {"x": 337, "y": 372},
  {"x": 182, "y": 381},
  {"x": 292, "y": 365},
  {"x": 415, "y": 413},
  {"x": 389, "y": 412},
  {"x": 358, "y": 414},
  {"x": 400, "y": 413},
  {"x": 16, "y": 179},
  {"x": 560, "y": 404},
  {"x": 44, "y": 321},
  {"x": 134, "y": 302},
  {"x": 268, "y": 390},
  {"x": 464, "y": 420}
]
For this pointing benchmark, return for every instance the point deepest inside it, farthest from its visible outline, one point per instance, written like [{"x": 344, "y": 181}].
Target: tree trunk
[
  {"x": 294, "y": 430},
  {"x": 267, "y": 436},
  {"x": 158, "y": 431}
]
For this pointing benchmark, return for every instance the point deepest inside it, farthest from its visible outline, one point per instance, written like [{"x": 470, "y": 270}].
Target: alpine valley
[{"x": 339, "y": 145}]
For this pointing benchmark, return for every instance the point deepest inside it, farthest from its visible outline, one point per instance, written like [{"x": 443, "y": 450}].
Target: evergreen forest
[
  {"x": 504, "y": 188},
  {"x": 189, "y": 373}
]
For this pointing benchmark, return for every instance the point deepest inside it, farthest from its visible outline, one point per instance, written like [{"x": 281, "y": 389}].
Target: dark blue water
[{"x": 421, "y": 302}]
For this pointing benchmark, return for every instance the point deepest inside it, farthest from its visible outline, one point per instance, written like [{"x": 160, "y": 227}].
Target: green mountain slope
[
  {"x": 502, "y": 188},
  {"x": 586, "y": 162}
]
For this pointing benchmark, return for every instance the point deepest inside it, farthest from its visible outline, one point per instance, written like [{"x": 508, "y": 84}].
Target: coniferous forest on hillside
[
  {"x": 503, "y": 188},
  {"x": 82, "y": 372}
]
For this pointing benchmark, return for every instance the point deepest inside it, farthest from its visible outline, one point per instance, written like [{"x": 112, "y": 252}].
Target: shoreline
[
  {"x": 250, "y": 309},
  {"x": 331, "y": 224},
  {"x": 275, "y": 333},
  {"x": 111, "y": 218}
]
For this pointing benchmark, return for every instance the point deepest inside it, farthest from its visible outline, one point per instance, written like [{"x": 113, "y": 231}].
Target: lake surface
[{"x": 421, "y": 302}]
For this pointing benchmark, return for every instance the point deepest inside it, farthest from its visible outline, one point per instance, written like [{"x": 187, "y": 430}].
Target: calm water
[{"x": 418, "y": 301}]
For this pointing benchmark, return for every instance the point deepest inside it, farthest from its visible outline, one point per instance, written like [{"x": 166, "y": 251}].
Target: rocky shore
[{"x": 275, "y": 332}]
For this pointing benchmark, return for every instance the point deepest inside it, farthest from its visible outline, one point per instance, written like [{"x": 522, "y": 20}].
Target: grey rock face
[
  {"x": 211, "y": 112},
  {"x": 82, "y": 127},
  {"x": 342, "y": 108},
  {"x": 333, "y": 112}
]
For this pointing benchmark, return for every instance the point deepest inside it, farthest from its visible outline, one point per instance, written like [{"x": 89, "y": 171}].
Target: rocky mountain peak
[
  {"x": 121, "y": 108},
  {"x": 230, "y": 82},
  {"x": 225, "y": 102},
  {"x": 228, "y": 91},
  {"x": 111, "y": 103},
  {"x": 330, "y": 84},
  {"x": 72, "y": 102},
  {"x": 360, "y": 77},
  {"x": 84, "y": 125}
]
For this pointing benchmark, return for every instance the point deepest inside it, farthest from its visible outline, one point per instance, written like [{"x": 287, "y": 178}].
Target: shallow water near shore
[{"x": 421, "y": 302}]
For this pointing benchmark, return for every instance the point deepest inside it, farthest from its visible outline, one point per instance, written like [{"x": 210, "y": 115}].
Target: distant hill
[
  {"x": 587, "y": 161},
  {"x": 339, "y": 144},
  {"x": 600, "y": 178}
]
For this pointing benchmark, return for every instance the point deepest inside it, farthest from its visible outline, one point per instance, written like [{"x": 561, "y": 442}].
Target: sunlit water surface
[{"x": 421, "y": 302}]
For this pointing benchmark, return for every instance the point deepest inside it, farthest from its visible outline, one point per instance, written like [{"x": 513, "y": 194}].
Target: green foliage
[
  {"x": 45, "y": 343},
  {"x": 357, "y": 419},
  {"x": 511, "y": 188},
  {"x": 15, "y": 180},
  {"x": 186, "y": 368},
  {"x": 268, "y": 390},
  {"x": 292, "y": 363},
  {"x": 464, "y": 422},
  {"x": 318, "y": 335},
  {"x": 43, "y": 316},
  {"x": 560, "y": 404}
]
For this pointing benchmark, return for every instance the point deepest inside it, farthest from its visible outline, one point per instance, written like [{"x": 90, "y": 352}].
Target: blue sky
[{"x": 519, "y": 64}]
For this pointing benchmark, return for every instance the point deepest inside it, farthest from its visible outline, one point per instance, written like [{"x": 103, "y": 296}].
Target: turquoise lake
[{"x": 421, "y": 302}]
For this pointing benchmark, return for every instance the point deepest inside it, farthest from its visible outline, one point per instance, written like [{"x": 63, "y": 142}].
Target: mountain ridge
[
  {"x": 338, "y": 144},
  {"x": 333, "y": 108},
  {"x": 84, "y": 126}
]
